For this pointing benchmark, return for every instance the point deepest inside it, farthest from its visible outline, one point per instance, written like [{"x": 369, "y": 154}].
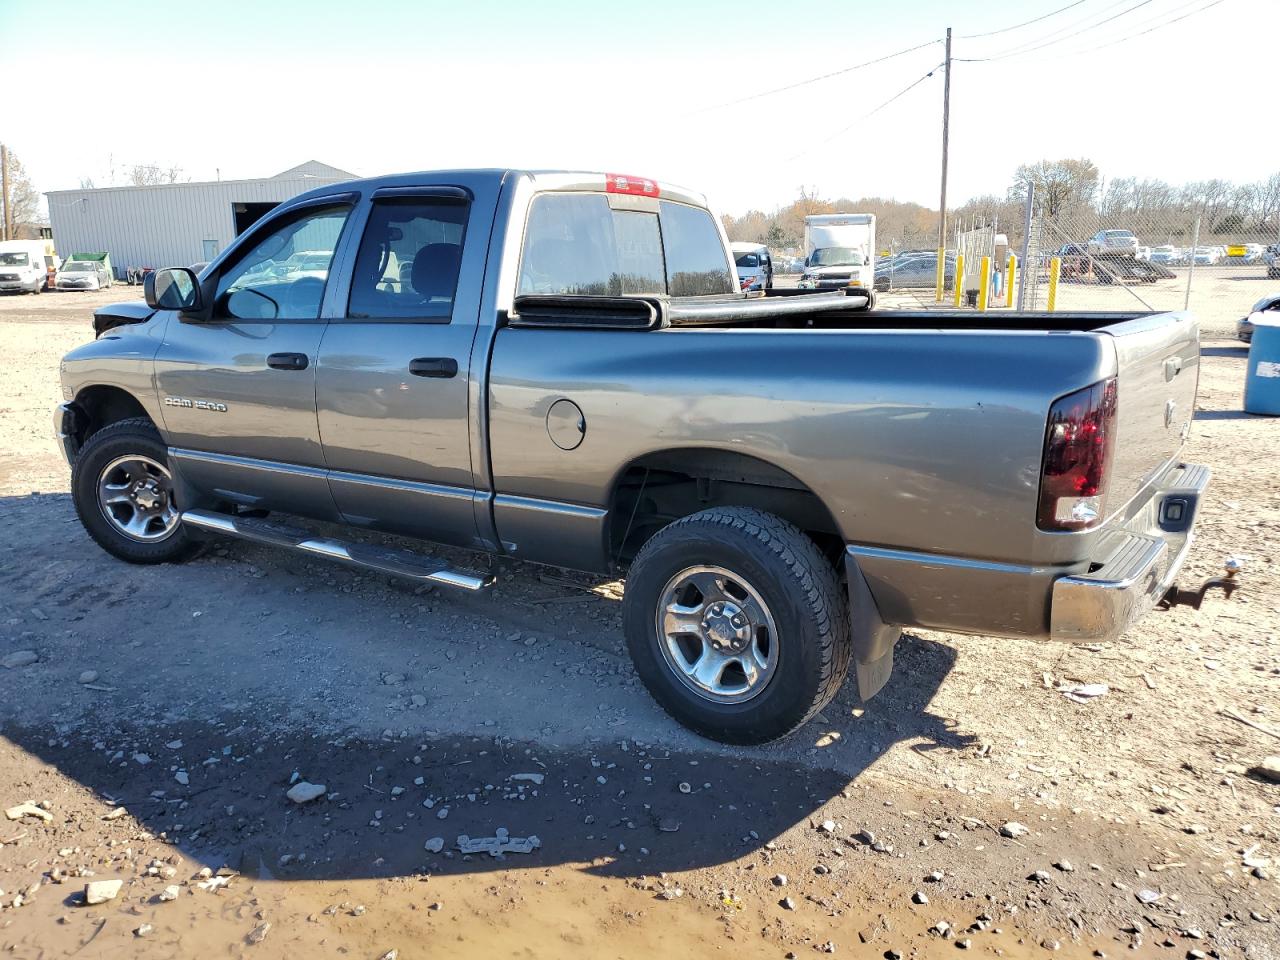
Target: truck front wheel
[
  {"x": 736, "y": 623},
  {"x": 124, "y": 494}
]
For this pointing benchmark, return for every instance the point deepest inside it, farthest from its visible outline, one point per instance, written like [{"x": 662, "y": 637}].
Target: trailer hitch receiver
[{"x": 1177, "y": 597}]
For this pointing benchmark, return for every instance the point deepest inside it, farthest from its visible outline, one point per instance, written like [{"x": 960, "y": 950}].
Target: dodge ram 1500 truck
[{"x": 559, "y": 367}]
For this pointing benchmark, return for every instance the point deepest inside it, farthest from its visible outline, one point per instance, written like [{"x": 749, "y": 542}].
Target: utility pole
[
  {"x": 6, "y": 230},
  {"x": 942, "y": 204}
]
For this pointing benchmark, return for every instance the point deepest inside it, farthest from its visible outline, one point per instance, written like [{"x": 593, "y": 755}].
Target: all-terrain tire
[
  {"x": 799, "y": 586},
  {"x": 136, "y": 437}
]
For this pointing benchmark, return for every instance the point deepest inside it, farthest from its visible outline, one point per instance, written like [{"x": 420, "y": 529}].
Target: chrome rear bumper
[{"x": 1134, "y": 566}]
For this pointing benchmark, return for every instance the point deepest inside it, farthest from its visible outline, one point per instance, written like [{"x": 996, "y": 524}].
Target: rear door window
[
  {"x": 576, "y": 244},
  {"x": 407, "y": 266}
]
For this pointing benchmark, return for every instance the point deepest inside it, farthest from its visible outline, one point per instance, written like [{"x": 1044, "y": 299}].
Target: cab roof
[{"x": 567, "y": 180}]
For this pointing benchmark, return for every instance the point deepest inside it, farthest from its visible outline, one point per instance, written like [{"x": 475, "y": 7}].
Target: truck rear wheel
[
  {"x": 736, "y": 624},
  {"x": 124, "y": 494}
]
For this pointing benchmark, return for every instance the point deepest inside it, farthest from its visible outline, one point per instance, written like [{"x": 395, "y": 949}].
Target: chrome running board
[{"x": 400, "y": 563}]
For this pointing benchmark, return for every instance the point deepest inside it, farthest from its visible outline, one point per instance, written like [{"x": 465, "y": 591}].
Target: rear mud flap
[{"x": 873, "y": 639}]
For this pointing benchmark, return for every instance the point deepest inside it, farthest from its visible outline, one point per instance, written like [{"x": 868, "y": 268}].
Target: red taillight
[
  {"x": 620, "y": 183},
  {"x": 1077, "y": 451}
]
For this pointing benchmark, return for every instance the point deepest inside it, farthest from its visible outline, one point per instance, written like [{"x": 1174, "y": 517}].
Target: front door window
[{"x": 283, "y": 275}]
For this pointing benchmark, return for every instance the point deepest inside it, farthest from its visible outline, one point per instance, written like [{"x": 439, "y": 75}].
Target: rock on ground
[
  {"x": 100, "y": 891},
  {"x": 303, "y": 792}
]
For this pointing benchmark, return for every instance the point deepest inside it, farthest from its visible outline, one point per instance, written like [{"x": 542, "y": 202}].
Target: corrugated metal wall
[{"x": 159, "y": 226}]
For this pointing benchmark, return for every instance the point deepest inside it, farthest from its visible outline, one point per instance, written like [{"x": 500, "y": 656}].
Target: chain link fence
[{"x": 1087, "y": 259}]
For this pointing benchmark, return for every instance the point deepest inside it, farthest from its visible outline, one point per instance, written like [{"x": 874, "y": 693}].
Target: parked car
[
  {"x": 1271, "y": 257},
  {"x": 24, "y": 265},
  {"x": 755, "y": 266},
  {"x": 1244, "y": 326},
  {"x": 570, "y": 376},
  {"x": 1206, "y": 256},
  {"x": 1112, "y": 243},
  {"x": 914, "y": 270},
  {"x": 1166, "y": 255},
  {"x": 83, "y": 275},
  {"x": 1144, "y": 253}
]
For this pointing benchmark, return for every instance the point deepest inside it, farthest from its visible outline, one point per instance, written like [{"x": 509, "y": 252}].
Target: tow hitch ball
[{"x": 1175, "y": 597}]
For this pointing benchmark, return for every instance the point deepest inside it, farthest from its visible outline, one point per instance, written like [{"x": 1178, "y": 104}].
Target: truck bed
[
  {"x": 785, "y": 309},
  {"x": 922, "y": 431}
]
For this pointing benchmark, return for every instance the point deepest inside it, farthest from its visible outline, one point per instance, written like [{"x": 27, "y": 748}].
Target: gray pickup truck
[{"x": 559, "y": 368}]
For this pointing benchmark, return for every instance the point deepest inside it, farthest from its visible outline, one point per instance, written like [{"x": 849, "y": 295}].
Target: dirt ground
[{"x": 426, "y": 715}]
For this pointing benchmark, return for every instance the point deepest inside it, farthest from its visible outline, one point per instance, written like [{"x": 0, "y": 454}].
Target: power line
[
  {"x": 1143, "y": 33},
  {"x": 840, "y": 133},
  {"x": 1017, "y": 52},
  {"x": 825, "y": 76},
  {"x": 1025, "y": 23}
]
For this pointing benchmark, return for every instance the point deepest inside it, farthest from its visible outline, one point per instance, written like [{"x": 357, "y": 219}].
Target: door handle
[
  {"x": 287, "y": 361},
  {"x": 440, "y": 367}
]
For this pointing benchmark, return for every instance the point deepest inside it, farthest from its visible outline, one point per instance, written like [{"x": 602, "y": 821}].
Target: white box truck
[
  {"x": 25, "y": 265},
  {"x": 839, "y": 251}
]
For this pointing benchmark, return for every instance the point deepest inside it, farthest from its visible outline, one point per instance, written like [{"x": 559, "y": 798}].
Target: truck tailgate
[{"x": 1158, "y": 359}]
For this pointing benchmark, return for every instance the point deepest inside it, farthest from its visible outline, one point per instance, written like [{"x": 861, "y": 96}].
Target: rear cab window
[{"x": 578, "y": 244}]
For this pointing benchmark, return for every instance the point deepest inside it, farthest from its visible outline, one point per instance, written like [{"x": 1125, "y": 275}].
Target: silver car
[
  {"x": 1244, "y": 326},
  {"x": 83, "y": 275},
  {"x": 1113, "y": 243}
]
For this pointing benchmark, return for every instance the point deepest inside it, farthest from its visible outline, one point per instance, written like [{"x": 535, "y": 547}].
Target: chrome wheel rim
[
  {"x": 135, "y": 495},
  {"x": 717, "y": 634}
]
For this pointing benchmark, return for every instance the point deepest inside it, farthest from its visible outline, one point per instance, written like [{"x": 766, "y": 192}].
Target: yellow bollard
[
  {"x": 1055, "y": 267},
  {"x": 984, "y": 284},
  {"x": 940, "y": 282},
  {"x": 1010, "y": 275},
  {"x": 959, "y": 282}
]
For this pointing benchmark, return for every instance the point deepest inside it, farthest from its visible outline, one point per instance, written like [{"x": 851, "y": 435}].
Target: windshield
[
  {"x": 78, "y": 266},
  {"x": 1118, "y": 234},
  {"x": 747, "y": 259},
  {"x": 13, "y": 260},
  {"x": 836, "y": 257}
]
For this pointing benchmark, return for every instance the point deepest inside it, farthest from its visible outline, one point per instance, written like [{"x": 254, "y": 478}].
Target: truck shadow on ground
[
  {"x": 212, "y": 781},
  {"x": 619, "y": 811}
]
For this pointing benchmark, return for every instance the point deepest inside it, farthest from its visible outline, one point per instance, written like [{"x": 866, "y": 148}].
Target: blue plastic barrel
[{"x": 1262, "y": 379}]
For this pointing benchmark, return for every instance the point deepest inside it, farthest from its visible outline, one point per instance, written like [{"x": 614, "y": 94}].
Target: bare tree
[
  {"x": 1062, "y": 186},
  {"x": 24, "y": 198},
  {"x": 150, "y": 174}
]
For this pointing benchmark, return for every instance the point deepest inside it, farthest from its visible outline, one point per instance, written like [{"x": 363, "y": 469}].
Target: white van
[
  {"x": 755, "y": 266},
  {"x": 24, "y": 265}
]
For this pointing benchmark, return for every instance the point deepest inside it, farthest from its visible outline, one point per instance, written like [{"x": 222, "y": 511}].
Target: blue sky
[{"x": 248, "y": 89}]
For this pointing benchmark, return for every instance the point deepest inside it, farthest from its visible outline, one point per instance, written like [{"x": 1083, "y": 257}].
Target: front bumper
[
  {"x": 1133, "y": 567},
  {"x": 65, "y": 424}
]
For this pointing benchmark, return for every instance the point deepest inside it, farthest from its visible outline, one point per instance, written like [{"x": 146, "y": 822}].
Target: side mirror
[{"x": 173, "y": 288}]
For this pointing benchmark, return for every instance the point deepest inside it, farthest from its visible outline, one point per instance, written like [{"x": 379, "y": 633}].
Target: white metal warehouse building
[{"x": 172, "y": 224}]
